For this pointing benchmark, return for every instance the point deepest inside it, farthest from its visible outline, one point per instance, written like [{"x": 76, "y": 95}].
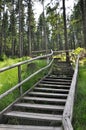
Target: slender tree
[
  {"x": 65, "y": 31},
  {"x": 20, "y": 29},
  {"x": 55, "y": 20},
  {"x": 75, "y": 29},
  {"x": 0, "y": 28},
  {"x": 5, "y": 30},
  {"x": 83, "y": 10},
  {"x": 12, "y": 28},
  {"x": 29, "y": 26},
  {"x": 45, "y": 28}
]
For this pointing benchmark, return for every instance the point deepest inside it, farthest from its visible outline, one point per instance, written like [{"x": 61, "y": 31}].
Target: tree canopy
[{"x": 20, "y": 34}]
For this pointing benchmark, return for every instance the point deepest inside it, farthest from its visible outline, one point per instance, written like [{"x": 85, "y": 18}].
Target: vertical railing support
[
  {"x": 48, "y": 60},
  {"x": 49, "y": 57},
  {"x": 19, "y": 78}
]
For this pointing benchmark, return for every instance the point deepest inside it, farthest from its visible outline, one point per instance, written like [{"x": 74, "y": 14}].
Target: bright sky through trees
[{"x": 38, "y": 7}]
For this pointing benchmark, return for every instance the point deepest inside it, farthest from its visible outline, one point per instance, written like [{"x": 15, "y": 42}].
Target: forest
[
  {"x": 23, "y": 37},
  {"x": 20, "y": 34}
]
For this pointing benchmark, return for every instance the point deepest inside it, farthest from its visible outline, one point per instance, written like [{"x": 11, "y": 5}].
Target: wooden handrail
[
  {"x": 68, "y": 111},
  {"x": 26, "y": 61},
  {"x": 22, "y": 82},
  {"x": 42, "y": 51},
  {"x": 19, "y": 68},
  {"x": 67, "y": 124},
  {"x": 62, "y": 51}
]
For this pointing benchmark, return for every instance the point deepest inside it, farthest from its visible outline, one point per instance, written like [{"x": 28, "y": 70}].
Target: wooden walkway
[{"x": 42, "y": 107}]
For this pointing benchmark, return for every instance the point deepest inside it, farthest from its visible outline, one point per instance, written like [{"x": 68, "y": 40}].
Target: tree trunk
[
  {"x": 0, "y": 35},
  {"x": 12, "y": 29},
  {"x": 65, "y": 31},
  {"x": 29, "y": 28},
  {"x": 45, "y": 30},
  {"x": 20, "y": 28},
  {"x": 83, "y": 10},
  {"x": 0, "y": 43}
]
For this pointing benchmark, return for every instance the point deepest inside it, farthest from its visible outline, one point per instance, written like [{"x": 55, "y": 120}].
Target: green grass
[
  {"x": 10, "y": 61},
  {"x": 9, "y": 78},
  {"x": 79, "y": 119}
]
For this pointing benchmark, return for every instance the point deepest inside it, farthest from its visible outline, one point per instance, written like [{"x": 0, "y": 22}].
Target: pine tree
[
  {"x": 44, "y": 27},
  {"x": 12, "y": 29},
  {"x": 30, "y": 27},
  {"x": 5, "y": 30},
  {"x": 1, "y": 8},
  {"x": 83, "y": 10},
  {"x": 65, "y": 31}
]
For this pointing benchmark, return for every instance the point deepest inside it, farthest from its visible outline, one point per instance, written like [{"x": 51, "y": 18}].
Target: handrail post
[
  {"x": 47, "y": 60},
  {"x": 19, "y": 78}
]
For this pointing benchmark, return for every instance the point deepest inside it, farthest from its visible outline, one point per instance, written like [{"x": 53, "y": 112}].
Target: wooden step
[
  {"x": 39, "y": 106},
  {"x": 54, "y": 86},
  {"x": 24, "y": 127},
  {"x": 56, "y": 83},
  {"x": 51, "y": 90},
  {"x": 56, "y": 80},
  {"x": 34, "y": 116},
  {"x": 44, "y": 99},
  {"x": 62, "y": 63},
  {"x": 42, "y": 94},
  {"x": 59, "y": 77}
]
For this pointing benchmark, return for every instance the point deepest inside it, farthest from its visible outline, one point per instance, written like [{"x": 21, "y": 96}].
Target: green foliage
[
  {"x": 75, "y": 34},
  {"x": 3, "y": 57},
  {"x": 9, "y": 99},
  {"x": 56, "y": 22},
  {"x": 78, "y": 50},
  {"x": 79, "y": 119},
  {"x": 61, "y": 57},
  {"x": 9, "y": 61}
]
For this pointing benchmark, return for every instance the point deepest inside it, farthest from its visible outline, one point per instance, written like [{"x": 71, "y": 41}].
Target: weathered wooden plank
[
  {"x": 62, "y": 51},
  {"x": 44, "y": 99},
  {"x": 39, "y": 51},
  {"x": 40, "y": 106},
  {"x": 56, "y": 83},
  {"x": 59, "y": 77},
  {"x": 24, "y": 127},
  {"x": 47, "y": 94},
  {"x": 56, "y": 80},
  {"x": 34, "y": 116},
  {"x": 53, "y": 85},
  {"x": 51, "y": 89},
  {"x": 67, "y": 124}
]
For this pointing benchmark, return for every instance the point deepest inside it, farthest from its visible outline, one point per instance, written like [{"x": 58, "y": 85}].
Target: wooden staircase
[{"x": 42, "y": 107}]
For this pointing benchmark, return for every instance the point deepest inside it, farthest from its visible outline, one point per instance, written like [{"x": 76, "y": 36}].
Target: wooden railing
[
  {"x": 19, "y": 73},
  {"x": 38, "y": 52},
  {"x": 63, "y": 51},
  {"x": 68, "y": 111}
]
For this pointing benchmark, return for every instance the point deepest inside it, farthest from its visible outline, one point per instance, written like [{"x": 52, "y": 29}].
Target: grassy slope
[
  {"x": 10, "y": 78},
  {"x": 79, "y": 119}
]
